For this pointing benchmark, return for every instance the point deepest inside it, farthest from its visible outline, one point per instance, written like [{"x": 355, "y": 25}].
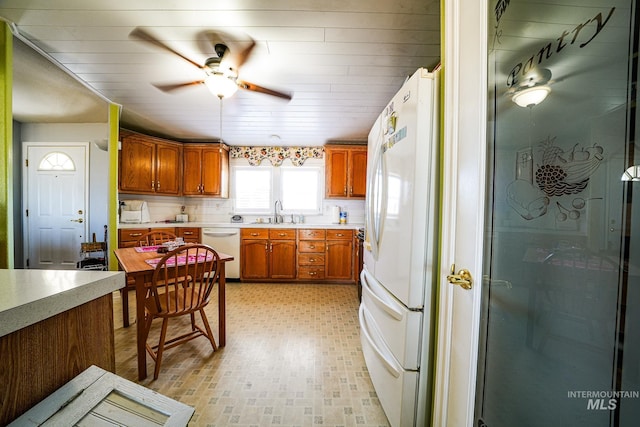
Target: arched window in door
[{"x": 56, "y": 161}]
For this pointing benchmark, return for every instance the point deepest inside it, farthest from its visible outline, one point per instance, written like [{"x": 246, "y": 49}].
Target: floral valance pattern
[{"x": 276, "y": 155}]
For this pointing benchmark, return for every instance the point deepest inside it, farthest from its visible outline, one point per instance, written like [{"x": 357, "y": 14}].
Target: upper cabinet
[
  {"x": 346, "y": 171},
  {"x": 206, "y": 170},
  {"x": 149, "y": 165}
]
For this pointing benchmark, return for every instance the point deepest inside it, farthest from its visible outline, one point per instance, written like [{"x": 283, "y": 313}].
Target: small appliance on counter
[
  {"x": 134, "y": 212},
  {"x": 182, "y": 216}
]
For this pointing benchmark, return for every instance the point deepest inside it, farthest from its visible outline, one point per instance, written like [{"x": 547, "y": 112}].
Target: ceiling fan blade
[
  {"x": 140, "y": 34},
  {"x": 255, "y": 88},
  {"x": 175, "y": 86},
  {"x": 244, "y": 55}
]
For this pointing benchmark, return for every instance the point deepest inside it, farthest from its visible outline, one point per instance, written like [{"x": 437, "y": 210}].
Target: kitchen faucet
[{"x": 277, "y": 218}]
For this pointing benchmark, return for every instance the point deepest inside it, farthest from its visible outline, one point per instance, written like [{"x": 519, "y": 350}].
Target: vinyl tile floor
[{"x": 292, "y": 358}]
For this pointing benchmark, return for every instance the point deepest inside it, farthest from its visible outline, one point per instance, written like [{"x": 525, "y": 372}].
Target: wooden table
[{"x": 134, "y": 264}]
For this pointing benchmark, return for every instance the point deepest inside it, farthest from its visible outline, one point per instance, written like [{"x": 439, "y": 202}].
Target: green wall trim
[
  {"x": 114, "y": 126},
  {"x": 6, "y": 147}
]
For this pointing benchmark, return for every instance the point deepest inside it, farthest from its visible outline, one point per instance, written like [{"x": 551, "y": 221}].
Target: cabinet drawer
[
  {"x": 130, "y": 237},
  {"x": 310, "y": 272},
  {"x": 311, "y": 246},
  {"x": 311, "y": 259},
  {"x": 254, "y": 233},
  {"x": 189, "y": 234},
  {"x": 285, "y": 234},
  {"x": 311, "y": 234},
  {"x": 339, "y": 234}
]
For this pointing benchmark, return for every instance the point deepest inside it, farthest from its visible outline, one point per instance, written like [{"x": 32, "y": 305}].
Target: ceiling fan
[{"x": 221, "y": 78}]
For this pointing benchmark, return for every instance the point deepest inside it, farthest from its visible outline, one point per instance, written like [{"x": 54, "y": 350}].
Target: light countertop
[
  {"x": 30, "y": 296},
  {"x": 348, "y": 226}
]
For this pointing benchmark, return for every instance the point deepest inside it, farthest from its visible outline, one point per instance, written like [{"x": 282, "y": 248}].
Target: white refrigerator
[{"x": 398, "y": 278}]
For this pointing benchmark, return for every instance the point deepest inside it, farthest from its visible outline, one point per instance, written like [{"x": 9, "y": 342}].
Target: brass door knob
[{"x": 462, "y": 279}]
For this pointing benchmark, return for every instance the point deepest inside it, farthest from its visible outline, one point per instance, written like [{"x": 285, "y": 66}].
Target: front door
[{"x": 55, "y": 192}]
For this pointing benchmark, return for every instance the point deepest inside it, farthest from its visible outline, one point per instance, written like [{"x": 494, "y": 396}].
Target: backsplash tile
[{"x": 162, "y": 208}]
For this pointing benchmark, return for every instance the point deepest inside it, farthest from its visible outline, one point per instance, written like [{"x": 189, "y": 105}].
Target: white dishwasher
[{"x": 225, "y": 240}]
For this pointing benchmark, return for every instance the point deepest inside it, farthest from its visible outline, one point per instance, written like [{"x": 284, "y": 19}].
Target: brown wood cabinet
[
  {"x": 267, "y": 254},
  {"x": 302, "y": 255},
  {"x": 206, "y": 170},
  {"x": 189, "y": 234},
  {"x": 311, "y": 254},
  {"x": 339, "y": 261},
  {"x": 149, "y": 165},
  {"x": 326, "y": 255},
  {"x": 345, "y": 171},
  {"x": 129, "y": 237},
  {"x": 282, "y": 253}
]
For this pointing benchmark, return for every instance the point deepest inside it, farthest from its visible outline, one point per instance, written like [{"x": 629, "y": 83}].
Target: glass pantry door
[{"x": 560, "y": 335}]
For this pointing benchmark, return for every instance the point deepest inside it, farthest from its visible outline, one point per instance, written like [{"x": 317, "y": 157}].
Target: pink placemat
[
  {"x": 147, "y": 248},
  {"x": 182, "y": 260}
]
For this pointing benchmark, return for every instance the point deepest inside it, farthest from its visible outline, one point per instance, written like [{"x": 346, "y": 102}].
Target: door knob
[
  {"x": 462, "y": 279},
  {"x": 78, "y": 220}
]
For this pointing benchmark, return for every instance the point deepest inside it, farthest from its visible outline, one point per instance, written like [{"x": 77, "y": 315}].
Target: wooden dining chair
[
  {"x": 151, "y": 238},
  {"x": 157, "y": 237},
  {"x": 181, "y": 286}
]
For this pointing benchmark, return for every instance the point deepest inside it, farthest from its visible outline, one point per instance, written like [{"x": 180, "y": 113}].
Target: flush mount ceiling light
[
  {"x": 531, "y": 96},
  {"x": 532, "y": 89}
]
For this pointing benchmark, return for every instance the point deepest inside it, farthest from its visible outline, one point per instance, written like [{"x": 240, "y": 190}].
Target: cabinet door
[
  {"x": 358, "y": 173},
  {"x": 336, "y": 167},
  {"x": 339, "y": 260},
  {"x": 192, "y": 167},
  {"x": 211, "y": 172},
  {"x": 137, "y": 165},
  {"x": 254, "y": 259},
  {"x": 283, "y": 259},
  {"x": 168, "y": 169}
]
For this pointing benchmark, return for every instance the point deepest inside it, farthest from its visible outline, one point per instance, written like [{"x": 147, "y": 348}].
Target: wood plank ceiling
[{"x": 341, "y": 60}]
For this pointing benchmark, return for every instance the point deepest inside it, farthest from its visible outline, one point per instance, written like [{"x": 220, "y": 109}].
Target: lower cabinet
[
  {"x": 303, "y": 255},
  {"x": 267, "y": 254},
  {"x": 282, "y": 254},
  {"x": 326, "y": 255},
  {"x": 311, "y": 254},
  {"x": 130, "y": 237},
  {"x": 340, "y": 255},
  {"x": 189, "y": 234},
  {"x": 254, "y": 255}
]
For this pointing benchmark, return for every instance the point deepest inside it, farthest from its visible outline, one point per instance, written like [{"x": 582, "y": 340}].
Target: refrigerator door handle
[
  {"x": 380, "y": 296},
  {"x": 377, "y": 197},
  {"x": 383, "y": 353}
]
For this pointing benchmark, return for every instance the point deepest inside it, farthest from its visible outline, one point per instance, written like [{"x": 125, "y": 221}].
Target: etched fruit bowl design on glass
[{"x": 558, "y": 173}]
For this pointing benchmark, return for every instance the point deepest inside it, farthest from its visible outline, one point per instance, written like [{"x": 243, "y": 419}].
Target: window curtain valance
[{"x": 276, "y": 155}]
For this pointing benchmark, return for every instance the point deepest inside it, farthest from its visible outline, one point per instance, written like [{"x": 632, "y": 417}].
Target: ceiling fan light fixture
[
  {"x": 220, "y": 85},
  {"x": 531, "y": 96}
]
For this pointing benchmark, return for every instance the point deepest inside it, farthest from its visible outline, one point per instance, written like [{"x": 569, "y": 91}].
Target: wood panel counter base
[{"x": 37, "y": 359}]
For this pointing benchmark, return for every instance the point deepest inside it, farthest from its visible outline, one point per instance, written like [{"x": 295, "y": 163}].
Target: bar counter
[{"x": 54, "y": 324}]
